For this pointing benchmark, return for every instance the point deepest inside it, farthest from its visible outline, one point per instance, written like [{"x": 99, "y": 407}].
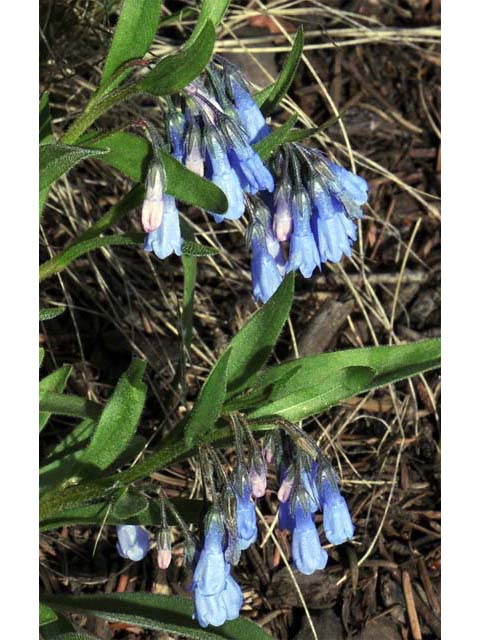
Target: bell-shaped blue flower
[
  {"x": 333, "y": 236},
  {"x": 216, "y": 609},
  {"x": 176, "y": 131},
  {"x": 355, "y": 186},
  {"x": 246, "y": 518},
  {"x": 210, "y": 575},
  {"x": 132, "y": 542},
  {"x": 232, "y": 598},
  {"x": 266, "y": 277},
  {"x": 303, "y": 252},
  {"x": 307, "y": 553},
  {"x": 249, "y": 165},
  {"x": 337, "y": 522},
  {"x": 221, "y": 173},
  {"x": 250, "y": 114},
  {"x": 167, "y": 238}
]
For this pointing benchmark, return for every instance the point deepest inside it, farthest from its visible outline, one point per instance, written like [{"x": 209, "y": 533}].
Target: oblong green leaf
[
  {"x": 50, "y": 313},
  {"x": 54, "y": 382},
  {"x": 211, "y": 10},
  {"x": 45, "y": 129},
  {"x": 66, "y": 405},
  {"x": 210, "y": 401},
  {"x": 73, "y": 441},
  {"x": 131, "y": 155},
  {"x": 129, "y": 505},
  {"x": 196, "y": 250},
  {"x": 175, "y": 71},
  {"x": 153, "y": 611},
  {"x": 57, "y": 158},
  {"x": 253, "y": 344},
  {"x": 47, "y": 615},
  {"x": 102, "y": 513},
  {"x": 118, "y": 421},
  {"x": 270, "y": 97},
  {"x": 134, "y": 33},
  {"x": 63, "y": 259}
]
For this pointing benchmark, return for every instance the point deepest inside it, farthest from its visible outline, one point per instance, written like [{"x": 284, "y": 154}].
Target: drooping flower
[
  {"x": 132, "y": 542},
  {"x": 337, "y": 522},
  {"x": 303, "y": 254},
  {"x": 167, "y": 239},
  {"x": 283, "y": 218},
  {"x": 257, "y": 476},
  {"x": 246, "y": 517},
  {"x": 249, "y": 112},
  {"x": 216, "y": 609},
  {"x": 307, "y": 552},
  {"x": 209, "y": 575},
  {"x": 221, "y": 173}
]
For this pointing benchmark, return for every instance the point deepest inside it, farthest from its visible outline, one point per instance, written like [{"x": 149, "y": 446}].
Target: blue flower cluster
[
  {"x": 311, "y": 489},
  {"x": 315, "y": 202},
  {"x": 212, "y": 136},
  {"x": 306, "y": 486},
  {"x": 315, "y": 206}
]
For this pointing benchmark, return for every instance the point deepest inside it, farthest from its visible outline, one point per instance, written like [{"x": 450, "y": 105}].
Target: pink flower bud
[
  {"x": 283, "y": 219},
  {"x": 194, "y": 160},
  {"x": 268, "y": 455},
  {"x": 152, "y": 211},
  {"x": 258, "y": 482},
  {"x": 285, "y": 490},
  {"x": 164, "y": 557},
  {"x": 164, "y": 548}
]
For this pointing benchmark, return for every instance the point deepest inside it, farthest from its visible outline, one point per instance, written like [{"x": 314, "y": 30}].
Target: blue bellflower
[
  {"x": 246, "y": 518},
  {"x": 249, "y": 112},
  {"x": 217, "y": 609},
  {"x": 266, "y": 277},
  {"x": 167, "y": 239},
  {"x": 132, "y": 542},
  {"x": 209, "y": 576},
  {"x": 307, "y": 553},
  {"x": 221, "y": 173},
  {"x": 303, "y": 253},
  {"x": 337, "y": 522},
  {"x": 309, "y": 483}
]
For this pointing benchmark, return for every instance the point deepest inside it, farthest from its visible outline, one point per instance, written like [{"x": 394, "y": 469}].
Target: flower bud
[
  {"x": 132, "y": 542},
  {"x": 283, "y": 218},
  {"x": 258, "y": 479},
  {"x": 164, "y": 549},
  {"x": 152, "y": 211}
]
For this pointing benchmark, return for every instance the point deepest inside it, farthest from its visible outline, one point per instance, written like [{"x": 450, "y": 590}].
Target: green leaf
[
  {"x": 302, "y": 388},
  {"x": 118, "y": 422},
  {"x": 175, "y": 71},
  {"x": 253, "y": 344},
  {"x": 196, "y": 250},
  {"x": 270, "y": 97},
  {"x": 279, "y": 136},
  {"x": 55, "y": 382},
  {"x": 76, "y": 636},
  {"x": 65, "y": 405},
  {"x": 47, "y": 615},
  {"x": 73, "y": 441},
  {"x": 57, "y": 158},
  {"x": 133, "y": 35},
  {"x": 209, "y": 405},
  {"x": 128, "y": 506},
  {"x": 55, "y": 630},
  {"x": 211, "y": 11},
  {"x": 41, "y": 356},
  {"x": 102, "y": 512},
  {"x": 312, "y": 400},
  {"x": 131, "y": 155},
  {"x": 62, "y": 260},
  {"x": 45, "y": 130},
  {"x": 170, "y": 614},
  {"x": 50, "y": 313}
]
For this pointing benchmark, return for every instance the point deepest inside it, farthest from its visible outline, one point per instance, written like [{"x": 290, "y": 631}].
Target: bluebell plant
[{"x": 307, "y": 485}]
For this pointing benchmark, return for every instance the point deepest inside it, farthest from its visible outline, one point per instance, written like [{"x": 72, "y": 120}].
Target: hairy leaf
[
  {"x": 54, "y": 382},
  {"x": 57, "y": 158}
]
